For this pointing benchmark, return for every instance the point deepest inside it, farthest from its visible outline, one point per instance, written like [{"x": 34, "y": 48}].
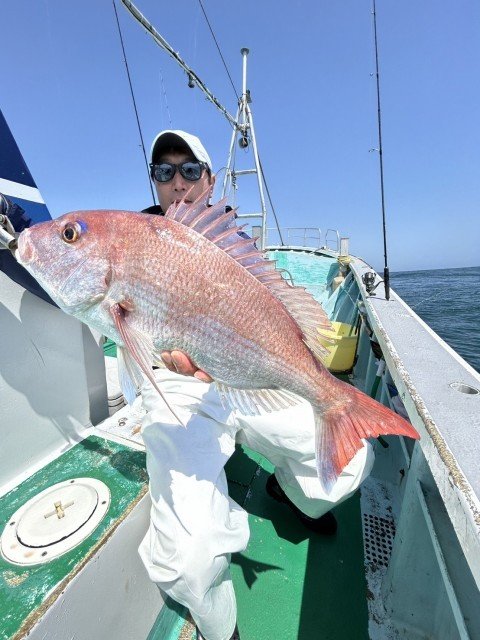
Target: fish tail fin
[{"x": 339, "y": 431}]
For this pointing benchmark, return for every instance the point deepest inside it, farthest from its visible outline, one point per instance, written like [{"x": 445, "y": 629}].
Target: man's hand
[{"x": 179, "y": 362}]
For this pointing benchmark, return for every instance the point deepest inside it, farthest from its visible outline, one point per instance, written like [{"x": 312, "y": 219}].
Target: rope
[{"x": 134, "y": 102}]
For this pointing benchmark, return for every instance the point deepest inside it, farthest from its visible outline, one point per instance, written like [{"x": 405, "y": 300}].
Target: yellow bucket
[{"x": 342, "y": 351}]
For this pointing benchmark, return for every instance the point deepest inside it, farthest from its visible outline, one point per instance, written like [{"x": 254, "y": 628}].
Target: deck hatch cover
[{"x": 55, "y": 521}]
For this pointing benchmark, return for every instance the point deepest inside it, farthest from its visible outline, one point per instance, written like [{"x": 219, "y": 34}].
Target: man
[{"x": 195, "y": 526}]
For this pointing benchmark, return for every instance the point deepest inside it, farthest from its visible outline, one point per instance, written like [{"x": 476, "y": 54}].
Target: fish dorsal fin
[
  {"x": 219, "y": 226},
  {"x": 215, "y": 222}
]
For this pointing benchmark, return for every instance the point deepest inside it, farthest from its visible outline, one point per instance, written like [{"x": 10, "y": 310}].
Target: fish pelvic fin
[
  {"x": 136, "y": 356},
  {"x": 340, "y": 429},
  {"x": 218, "y": 224},
  {"x": 251, "y": 401}
]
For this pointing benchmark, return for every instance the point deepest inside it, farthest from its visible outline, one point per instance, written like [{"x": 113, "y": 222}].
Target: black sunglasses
[{"x": 190, "y": 170}]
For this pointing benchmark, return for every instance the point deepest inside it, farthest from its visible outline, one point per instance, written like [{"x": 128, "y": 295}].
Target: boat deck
[{"x": 292, "y": 583}]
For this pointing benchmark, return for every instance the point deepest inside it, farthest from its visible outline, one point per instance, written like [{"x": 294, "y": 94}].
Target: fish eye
[{"x": 71, "y": 232}]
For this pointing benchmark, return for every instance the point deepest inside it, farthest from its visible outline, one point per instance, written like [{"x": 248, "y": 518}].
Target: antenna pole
[
  {"x": 259, "y": 179},
  {"x": 244, "y": 51},
  {"x": 246, "y": 134},
  {"x": 229, "y": 176},
  {"x": 386, "y": 274}
]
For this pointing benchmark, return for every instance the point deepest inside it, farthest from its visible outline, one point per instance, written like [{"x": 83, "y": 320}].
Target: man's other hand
[{"x": 179, "y": 362}]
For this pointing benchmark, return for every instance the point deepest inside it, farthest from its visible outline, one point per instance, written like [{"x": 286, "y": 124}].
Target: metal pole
[
  {"x": 242, "y": 120},
  {"x": 386, "y": 275},
  {"x": 244, "y": 51},
  {"x": 228, "y": 172},
  {"x": 247, "y": 123},
  {"x": 259, "y": 179}
]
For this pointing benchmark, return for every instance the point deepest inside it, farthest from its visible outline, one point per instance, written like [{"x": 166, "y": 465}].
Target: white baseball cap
[{"x": 170, "y": 138}]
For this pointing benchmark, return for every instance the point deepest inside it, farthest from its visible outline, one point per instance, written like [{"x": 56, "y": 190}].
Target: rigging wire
[
  {"x": 134, "y": 102},
  {"x": 271, "y": 203},
  {"x": 219, "y": 51}
]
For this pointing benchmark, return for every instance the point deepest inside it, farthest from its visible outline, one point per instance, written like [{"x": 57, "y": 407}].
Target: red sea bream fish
[{"x": 189, "y": 281}]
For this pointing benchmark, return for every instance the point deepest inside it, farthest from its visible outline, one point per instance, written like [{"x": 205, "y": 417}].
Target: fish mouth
[{"x": 25, "y": 251}]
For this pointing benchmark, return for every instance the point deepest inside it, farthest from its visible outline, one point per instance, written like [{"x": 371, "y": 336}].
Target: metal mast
[{"x": 245, "y": 130}]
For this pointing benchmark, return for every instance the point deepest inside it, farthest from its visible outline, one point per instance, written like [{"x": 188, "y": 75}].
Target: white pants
[{"x": 195, "y": 525}]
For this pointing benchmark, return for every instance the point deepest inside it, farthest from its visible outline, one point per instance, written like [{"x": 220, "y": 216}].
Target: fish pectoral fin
[
  {"x": 250, "y": 401},
  {"x": 138, "y": 344},
  {"x": 129, "y": 375},
  {"x": 140, "y": 350}
]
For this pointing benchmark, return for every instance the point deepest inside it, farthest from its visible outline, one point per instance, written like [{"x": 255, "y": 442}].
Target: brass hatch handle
[{"x": 59, "y": 510}]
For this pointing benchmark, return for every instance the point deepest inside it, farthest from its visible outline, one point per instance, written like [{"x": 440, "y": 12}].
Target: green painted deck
[
  {"x": 25, "y": 589},
  {"x": 291, "y": 583}
]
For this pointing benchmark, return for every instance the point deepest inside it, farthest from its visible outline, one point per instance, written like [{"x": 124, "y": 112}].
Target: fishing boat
[{"x": 74, "y": 502}]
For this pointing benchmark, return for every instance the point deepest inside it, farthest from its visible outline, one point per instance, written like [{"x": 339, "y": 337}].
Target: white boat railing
[
  {"x": 336, "y": 238},
  {"x": 304, "y": 237}
]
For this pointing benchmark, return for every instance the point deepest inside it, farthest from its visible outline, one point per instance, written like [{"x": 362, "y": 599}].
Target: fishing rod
[{"x": 386, "y": 274}]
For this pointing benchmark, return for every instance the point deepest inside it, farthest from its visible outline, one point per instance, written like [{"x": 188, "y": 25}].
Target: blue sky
[{"x": 66, "y": 98}]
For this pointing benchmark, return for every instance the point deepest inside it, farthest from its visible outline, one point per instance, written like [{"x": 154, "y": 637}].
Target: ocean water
[{"x": 448, "y": 300}]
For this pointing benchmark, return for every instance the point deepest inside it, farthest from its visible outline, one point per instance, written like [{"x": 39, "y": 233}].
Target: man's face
[{"x": 177, "y": 187}]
